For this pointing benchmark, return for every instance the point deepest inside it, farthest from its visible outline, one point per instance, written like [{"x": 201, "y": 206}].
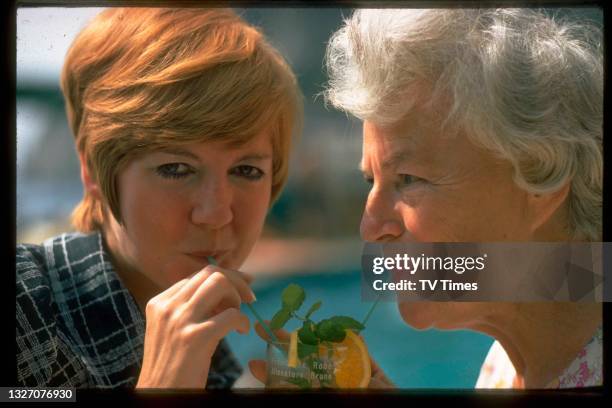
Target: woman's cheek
[
  {"x": 250, "y": 217},
  {"x": 419, "y": 226}
]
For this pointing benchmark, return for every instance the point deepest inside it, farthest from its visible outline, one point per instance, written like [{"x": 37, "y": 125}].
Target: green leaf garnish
[
  {"x": 313, "y": 309},
  {"x": 348, "y": 323},
  {"x": 328, "y": 330},
  {"x": 307, "y": 335},
  {"x": 292, "y": 297},
  {"x": 280, "y": 319},
  {"x": 311, "y": 334}
]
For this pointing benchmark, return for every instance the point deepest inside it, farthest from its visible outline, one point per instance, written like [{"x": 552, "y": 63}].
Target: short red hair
[{"x": 136, "y": 79}]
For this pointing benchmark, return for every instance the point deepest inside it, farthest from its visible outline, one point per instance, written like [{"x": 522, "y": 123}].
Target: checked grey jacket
[{"x": 78, "y": 326}]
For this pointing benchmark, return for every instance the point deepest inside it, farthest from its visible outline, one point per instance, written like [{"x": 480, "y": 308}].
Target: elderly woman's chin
[
  {"x": 419, "y": 315},
  {"x": 439, "y": 315}
]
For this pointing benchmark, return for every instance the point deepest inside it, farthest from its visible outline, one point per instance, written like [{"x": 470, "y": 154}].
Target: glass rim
[{"x": 286, "y": 343}]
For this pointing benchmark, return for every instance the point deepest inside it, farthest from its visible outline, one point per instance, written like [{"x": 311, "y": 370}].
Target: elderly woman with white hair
[{"x": 483, "y": 125}]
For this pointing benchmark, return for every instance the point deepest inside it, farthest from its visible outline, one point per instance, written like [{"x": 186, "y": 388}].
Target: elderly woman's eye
[
  {"x": 174, "y": 170},
  {"x": 408, "y": 179},
  {"x": 247, "y": 172}
]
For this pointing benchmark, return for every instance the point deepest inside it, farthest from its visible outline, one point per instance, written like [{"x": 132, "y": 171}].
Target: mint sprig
[
  {"x": 307, "y": 334},
  {"x": 313, "y": 309},
  {"x": 312, "y": 334},
  {"x": 332, "y": 329},
  {"x": 292, "y": 297},
  {"x": 280, "y": 319}
]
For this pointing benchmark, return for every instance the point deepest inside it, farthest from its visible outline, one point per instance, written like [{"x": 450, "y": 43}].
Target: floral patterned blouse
[{"x": 586, "y": 370}]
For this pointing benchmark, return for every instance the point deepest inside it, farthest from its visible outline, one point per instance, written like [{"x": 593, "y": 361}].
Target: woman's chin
[{"x": 418, "y": 315}]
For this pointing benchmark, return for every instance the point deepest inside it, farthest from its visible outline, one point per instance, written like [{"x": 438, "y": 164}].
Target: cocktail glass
[{"x": 327, "y": 365}]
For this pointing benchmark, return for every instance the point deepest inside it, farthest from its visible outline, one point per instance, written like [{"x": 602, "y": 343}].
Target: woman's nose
[
  {"x": 381, "y": 221},
  {"x": 212, "y": 205}
]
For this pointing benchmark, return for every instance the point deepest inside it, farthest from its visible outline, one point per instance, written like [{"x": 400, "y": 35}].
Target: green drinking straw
[
  {"x": 212, "y": 261},
  {"x": 365, "y": 320}
]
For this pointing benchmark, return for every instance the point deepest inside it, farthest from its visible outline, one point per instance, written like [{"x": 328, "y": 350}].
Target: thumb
[{"x": 259, "y": 370}]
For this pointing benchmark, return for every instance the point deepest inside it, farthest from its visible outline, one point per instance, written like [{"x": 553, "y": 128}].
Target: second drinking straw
[{"x": 365, "y": 320}]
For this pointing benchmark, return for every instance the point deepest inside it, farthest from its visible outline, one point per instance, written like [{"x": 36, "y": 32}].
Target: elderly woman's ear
[
  {"x": 546, "y": 209},
  {"x": 89, "y": 184}
]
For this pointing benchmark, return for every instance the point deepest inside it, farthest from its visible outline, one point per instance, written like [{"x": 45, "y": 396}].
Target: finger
[
  {"x": 219, "y": 325},
  {"x": 213, "y": 296},
  {"x": 247, "y": 277},
  {"x": 241, "y": 280},
  {"x": 375, "y": 366},
  {"x": 172, "y": 290},
  {"x": 236, "y": 277},
  {"x": 259, "y": 370},
  {"x": 379, "y": 383},
  {"x": 280, "y": 334},
  {"x": 379, "y": 378}
]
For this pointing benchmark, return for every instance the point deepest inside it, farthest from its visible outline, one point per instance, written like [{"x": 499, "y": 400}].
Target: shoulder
[
  {"x": 32, "y": 282},
  {"x": 77, "y": 325},
  {"x": 29, "y": 258},
  {"x": 43, "y": 354},
  {"x": 37, "y": 267},
  {"x": 587, "y": 368}
]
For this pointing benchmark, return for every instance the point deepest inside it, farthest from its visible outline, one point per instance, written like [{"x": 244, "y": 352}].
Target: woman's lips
[{"x": 203, "y": 257}]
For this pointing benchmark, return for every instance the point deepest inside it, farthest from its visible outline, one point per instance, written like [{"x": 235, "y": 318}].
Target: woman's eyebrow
[
  {"x": 396, "y": 159},
  {"x": 389, "y": 162},
  {"x": 183, "y": 152},
  {"x": 178, "y": 152},
  {"x": 255, "y": 157}
]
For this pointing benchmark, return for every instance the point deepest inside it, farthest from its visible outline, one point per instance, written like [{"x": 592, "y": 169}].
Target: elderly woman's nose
[
  {"x": 380, "y": 221},
  {"x": 212, "y": 205}
]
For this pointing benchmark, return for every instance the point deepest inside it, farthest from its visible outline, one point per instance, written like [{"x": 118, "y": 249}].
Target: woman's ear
[
  {"x": 89, "y": 184},
  {"x": 542, "y": 207}
]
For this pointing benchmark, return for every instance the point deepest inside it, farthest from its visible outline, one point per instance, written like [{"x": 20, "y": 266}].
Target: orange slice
[{"x": 352, "y": 362}]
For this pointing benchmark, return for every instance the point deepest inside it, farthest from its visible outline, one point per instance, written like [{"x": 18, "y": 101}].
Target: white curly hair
[{"x": 520, "y": 82}]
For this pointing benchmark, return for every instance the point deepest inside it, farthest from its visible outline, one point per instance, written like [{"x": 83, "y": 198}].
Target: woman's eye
[
  {"x": 174, "y": 170},
  {"x": 408, "y": 179},
  {"x": 247, "y": 172}
]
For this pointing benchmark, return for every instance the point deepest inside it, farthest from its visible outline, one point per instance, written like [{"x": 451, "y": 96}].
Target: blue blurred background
[{"x": 311, "y": 235}]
